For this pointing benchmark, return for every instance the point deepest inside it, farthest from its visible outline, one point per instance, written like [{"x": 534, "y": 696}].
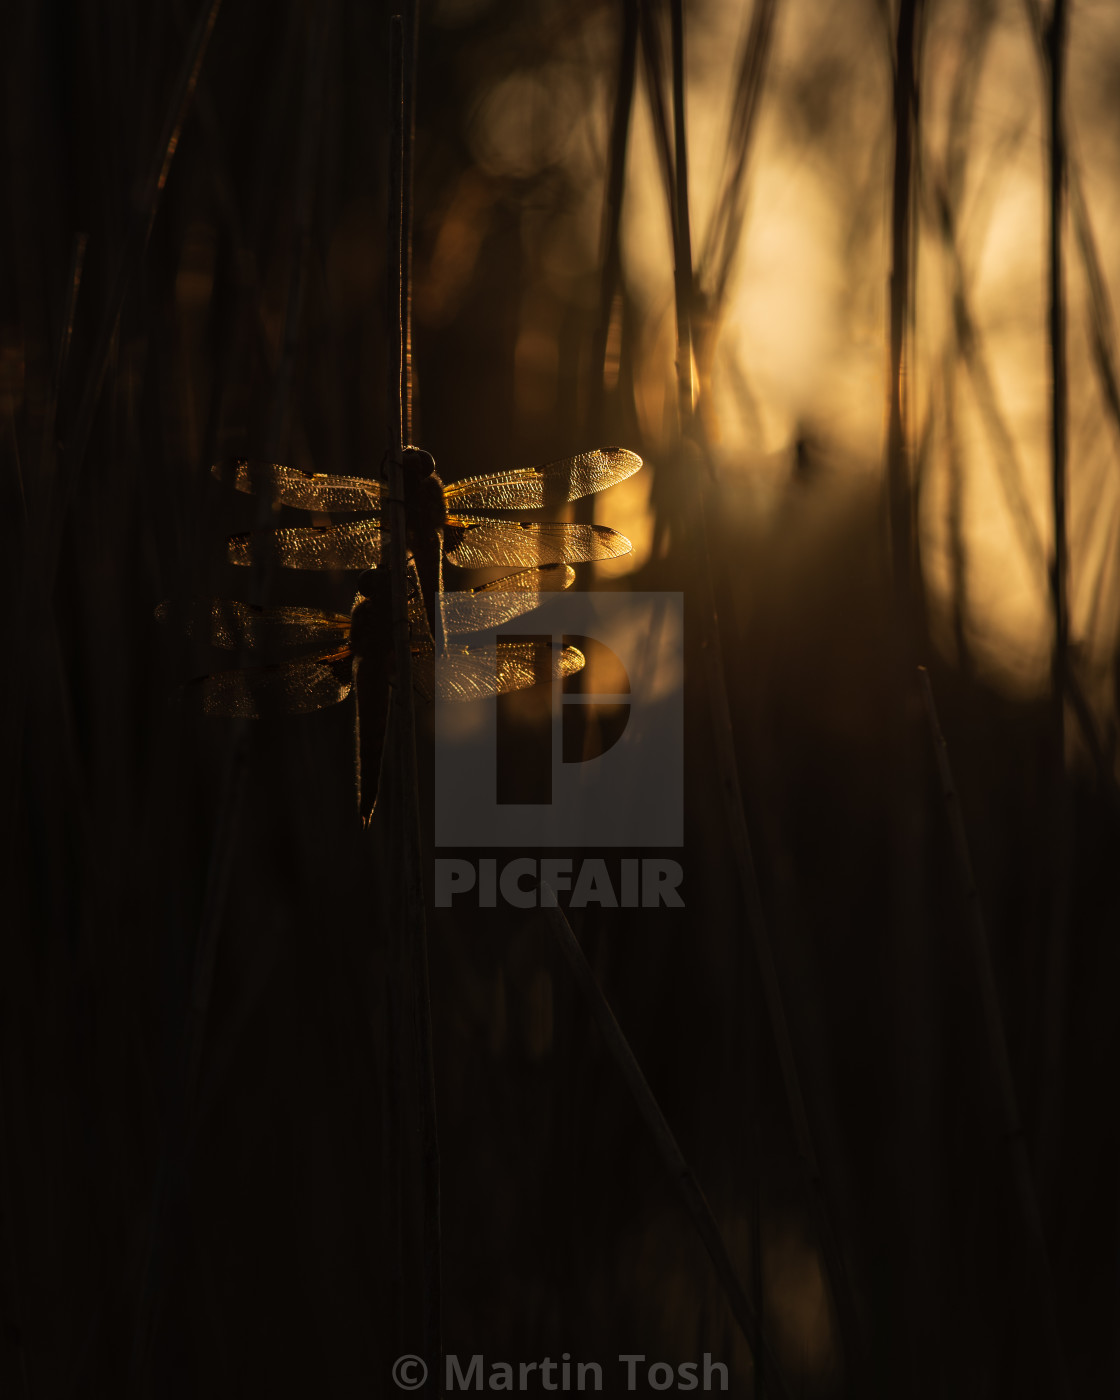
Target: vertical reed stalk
[
  {"x": 655, "y": 86},
  {"x": 1059, "y": 411},
  {"x": 682, "y": 242},
  {"x": 901, "y": 282},
  {"x": 911, "y": 1307},
  {"x": 611, "y": 248},
  {"x": 1052, "y": 1054},
  {"x": 414, "y": 963},
  {"x": 1055, "y": 982}
]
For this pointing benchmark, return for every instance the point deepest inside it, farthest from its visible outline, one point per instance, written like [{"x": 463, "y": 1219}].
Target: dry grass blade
[
  {"x": 1011, "y": 1125},
  {"x": 679, "y": 1171}
]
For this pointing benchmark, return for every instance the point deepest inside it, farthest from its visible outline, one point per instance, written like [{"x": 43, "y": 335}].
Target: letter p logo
[{"x": 595, "y": 760}]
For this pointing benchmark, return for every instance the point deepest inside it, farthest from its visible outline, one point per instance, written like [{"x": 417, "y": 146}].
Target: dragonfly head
[
  {"x": 419, "y": 462},
  {"x": 424, "y": 503}
]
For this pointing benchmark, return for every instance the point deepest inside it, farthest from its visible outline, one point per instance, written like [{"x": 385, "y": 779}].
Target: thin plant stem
[
  {"x": 914, "y": 1142},
  {"x": 680, "y": 1173},
  {"x": 1011, "y": 1128},
  {"x": 611, "y": 254},
  {"x": 415, "y": 961},
  {"x": 899, "y": 488},
  {"x": 682, "y": 243},
  {"x": 408, "y": 20},
  {"x": 655, "y": 87},
  {"x": 1055, "y": 982},
  {"x": 1059, "y": 568}
]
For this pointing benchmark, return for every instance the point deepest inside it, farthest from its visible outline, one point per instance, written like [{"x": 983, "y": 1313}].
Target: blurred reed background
[{"x": 201, "y": 1193}]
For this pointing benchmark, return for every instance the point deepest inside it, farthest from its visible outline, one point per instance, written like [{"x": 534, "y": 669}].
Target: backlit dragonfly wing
[
  {"x": 292, "y": 688},
  {"x": 472, "y": 673},
  {"x": 554, "y": 484},
  {"x": 480, "y": 543},
  {"x": 355, "y": 545},
  {"x": 230, "y": 626},
  {"x": 492, "y": 604},
  {"x": 285, "y": 485}
]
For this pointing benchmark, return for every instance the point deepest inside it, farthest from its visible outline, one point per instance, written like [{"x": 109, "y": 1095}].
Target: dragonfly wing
[
  {"x": 492, "y": 604},
  {"x": 294, "y": 688},
  {"x": 471, "y": 674},
  {"x": 294, "y": 488},
  {"x": 356, "y": 545},
  {"x": 484, "y": 543},
  {"x": 522, "y": 664},
  {"x": 553, "y": 484},
  {"x": 229, "y": 625}
]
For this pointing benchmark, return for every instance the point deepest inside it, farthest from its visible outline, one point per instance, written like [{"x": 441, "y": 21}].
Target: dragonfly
[
  {"x": 344, "y": 653},
  {"x": 455, "y": 522}
]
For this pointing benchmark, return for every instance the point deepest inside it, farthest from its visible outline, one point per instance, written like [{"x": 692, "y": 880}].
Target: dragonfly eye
[{"x": 418, "y": 461}]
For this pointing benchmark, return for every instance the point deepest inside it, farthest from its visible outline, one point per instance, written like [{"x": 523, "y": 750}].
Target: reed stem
[
  {"x": 1056, "y": 979},
  {"x": 415, "y": 961}
]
